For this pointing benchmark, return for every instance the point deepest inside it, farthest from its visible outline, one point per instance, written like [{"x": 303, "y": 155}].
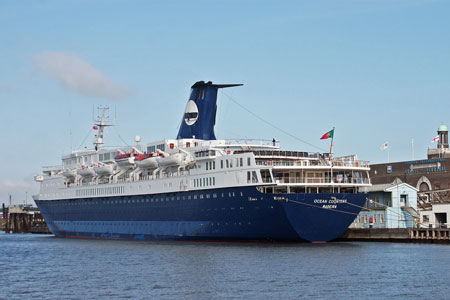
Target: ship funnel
[{"x": 200, "y": 115}]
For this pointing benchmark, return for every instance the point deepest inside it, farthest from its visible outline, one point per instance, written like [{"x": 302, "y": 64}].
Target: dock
[
  {"x": 412, "y": 235},
  {"x": 24, "y": 220}
]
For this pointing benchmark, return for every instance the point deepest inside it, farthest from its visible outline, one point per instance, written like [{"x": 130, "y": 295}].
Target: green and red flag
[{"x": 328, "y": 135}]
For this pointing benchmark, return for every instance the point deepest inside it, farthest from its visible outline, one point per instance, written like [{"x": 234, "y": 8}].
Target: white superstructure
[{"x": 191, "y": 164}]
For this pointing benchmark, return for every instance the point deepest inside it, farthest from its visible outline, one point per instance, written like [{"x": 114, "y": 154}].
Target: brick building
[{"x": 430, "y": 176}]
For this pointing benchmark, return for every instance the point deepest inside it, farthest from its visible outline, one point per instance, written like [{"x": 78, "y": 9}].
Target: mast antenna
[{"x": 101, "y": 122}]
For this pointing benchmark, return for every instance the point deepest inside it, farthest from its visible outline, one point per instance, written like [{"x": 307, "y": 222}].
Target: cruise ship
[{"x": 197, "y": 187}]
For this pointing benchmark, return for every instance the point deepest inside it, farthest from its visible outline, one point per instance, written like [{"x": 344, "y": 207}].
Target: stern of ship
[{"x": 321, "y": 217}]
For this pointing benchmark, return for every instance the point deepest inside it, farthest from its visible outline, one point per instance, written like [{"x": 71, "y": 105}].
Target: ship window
[
  {"x": 214, "y": 195},
  {"x": 214, "y": 180},
  {"x": 214, "y": 165},
  {"x": 248, "y": 161},
  {"x": 254, "y": 177},
  {"x": 151, "y": 149},
  {"x": 241, "y": 162},
  {"x": 207, "y": 165},
  {"x": 203, "y": 181},
  {"x": 195, "y": 196},
  {"x": 106, "y": 156},
  {"x": 201, "y": 196},
  {"x": 100, "y": 157},
  {"x": 228, "y": 163},
  {"x": 221, "y": 164},
  {"x": 161, "y": 147}
]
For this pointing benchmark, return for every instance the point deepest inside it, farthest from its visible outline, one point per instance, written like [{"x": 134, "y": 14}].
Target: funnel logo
[{"x": 191, "y": 113}]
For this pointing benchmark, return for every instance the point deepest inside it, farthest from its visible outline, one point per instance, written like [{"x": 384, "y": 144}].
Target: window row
[
  {"x": 100, "y": 191},
  {"x": 201, "y": 182},
  {"x": 145, "y": 199}
]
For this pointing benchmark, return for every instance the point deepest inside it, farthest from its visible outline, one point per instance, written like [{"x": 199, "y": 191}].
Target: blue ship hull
[{"x": 219, "y": 214}]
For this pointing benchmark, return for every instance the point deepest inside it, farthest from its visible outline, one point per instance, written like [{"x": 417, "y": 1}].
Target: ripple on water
[{"x": 44, "y": 267}]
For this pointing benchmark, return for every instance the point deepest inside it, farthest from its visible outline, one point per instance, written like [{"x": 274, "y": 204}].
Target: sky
[{"x": 376, "y": 70}]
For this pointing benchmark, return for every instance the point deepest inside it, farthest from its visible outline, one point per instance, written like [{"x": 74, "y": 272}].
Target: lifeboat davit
[
  {"x": 104, "y": 169},
  {"x": 86, "y": 172},
  {"x": 146, "y": 161},
  {"x": 124, "y": 160}
]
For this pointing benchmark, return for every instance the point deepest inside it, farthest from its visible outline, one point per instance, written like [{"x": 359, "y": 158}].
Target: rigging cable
[
  {"x": 270, "y": 124},
  {"x": 84, "y": 140}
]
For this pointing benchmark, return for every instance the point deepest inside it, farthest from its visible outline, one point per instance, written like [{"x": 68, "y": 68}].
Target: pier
[
  {"x": 414, "y": 235},
  {"x": 24, "y": 220}
]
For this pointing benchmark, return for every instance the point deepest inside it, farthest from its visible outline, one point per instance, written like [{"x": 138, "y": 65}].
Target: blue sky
[{"x": 376, "y": 70}]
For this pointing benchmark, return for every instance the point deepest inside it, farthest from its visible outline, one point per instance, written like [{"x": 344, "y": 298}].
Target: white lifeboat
[
  {"x": 86, "y": 171},
  {"x": 166, "y": 160},
  {"x": 146, "y": 161},
  {"x": 70, "y": 174},
  {"x": 104, "y": 169},
  {"x": 124, "y": 160}
]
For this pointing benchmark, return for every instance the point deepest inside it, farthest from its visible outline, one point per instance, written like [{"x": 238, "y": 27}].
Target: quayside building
[{"x": 429, "y": 176}]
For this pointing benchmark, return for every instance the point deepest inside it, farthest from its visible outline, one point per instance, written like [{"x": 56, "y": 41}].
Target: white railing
[
  {"x": 321, "y": 180},
  {"x": 312, "y": 163},
  {"x": 251, "y": 142},
  {"x": 131, "y": 179},
  {"x": 51, "y": 168}
]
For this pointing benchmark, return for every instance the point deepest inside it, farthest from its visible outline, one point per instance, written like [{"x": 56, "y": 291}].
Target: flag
[
  {"x": 384, "y": 146},
  {"x": 436, "y": 139},
  {"x": 95, "y": 128},
  {"x": 328, "y": 135}
]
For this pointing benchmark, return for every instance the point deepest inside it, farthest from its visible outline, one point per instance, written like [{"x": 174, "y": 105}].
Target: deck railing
[
  {"x": 322, "y": 180},
  {"x": 312, "y": 163}
]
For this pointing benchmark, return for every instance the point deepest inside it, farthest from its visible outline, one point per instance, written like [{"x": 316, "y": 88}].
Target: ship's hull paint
[{"x": 219, "y": 214}]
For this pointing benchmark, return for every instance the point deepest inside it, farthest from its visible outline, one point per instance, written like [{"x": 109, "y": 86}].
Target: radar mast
[{"x": 101, "y": 122}]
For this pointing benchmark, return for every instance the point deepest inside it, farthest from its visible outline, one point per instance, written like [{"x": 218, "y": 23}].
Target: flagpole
[
  {"x": 388, "y": 154},
  {"x": 331, "y": 147}
]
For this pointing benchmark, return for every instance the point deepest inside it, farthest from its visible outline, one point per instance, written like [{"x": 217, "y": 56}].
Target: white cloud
[{"x": 75, "y": 74}]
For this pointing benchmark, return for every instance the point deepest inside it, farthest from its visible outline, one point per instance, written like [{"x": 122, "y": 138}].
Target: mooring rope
[{"x": 327, "y": 208}]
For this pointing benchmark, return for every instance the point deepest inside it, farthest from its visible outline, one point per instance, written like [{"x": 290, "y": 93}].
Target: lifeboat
[
  {"x": 146, "y": 161},
  {"x": 125, "y": 160},
  {"x": 104, "y": 169},
  {"x": 166, "y": 160},
  {"x": 86, "y": 171},
  {"x": 70, "y": 174}
]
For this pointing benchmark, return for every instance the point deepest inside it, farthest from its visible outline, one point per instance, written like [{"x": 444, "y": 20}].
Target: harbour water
[{"x": 45, "y": 267}]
